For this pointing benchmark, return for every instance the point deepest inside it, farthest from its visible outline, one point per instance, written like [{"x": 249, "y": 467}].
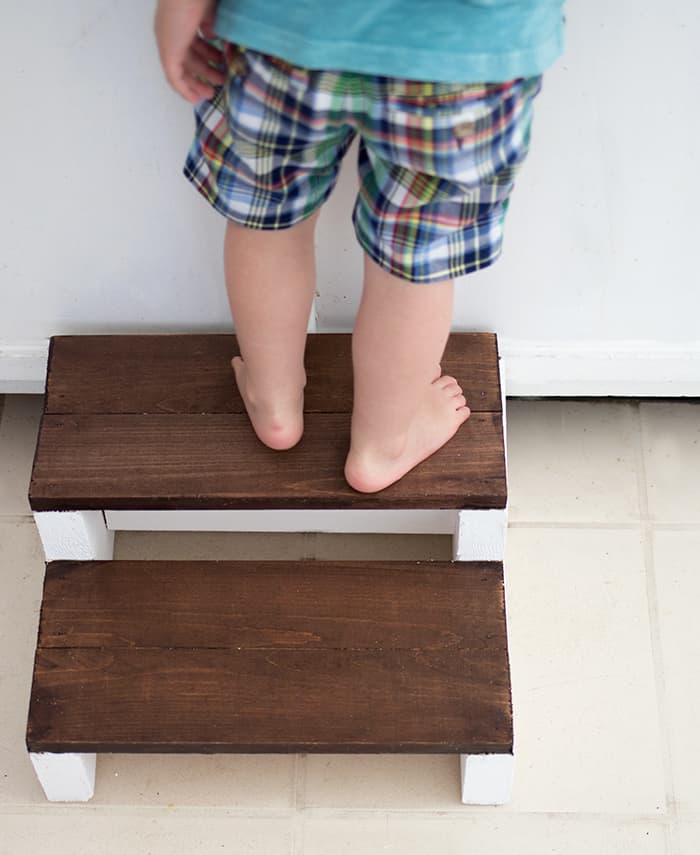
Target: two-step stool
[{"x": 149, "y": 433}]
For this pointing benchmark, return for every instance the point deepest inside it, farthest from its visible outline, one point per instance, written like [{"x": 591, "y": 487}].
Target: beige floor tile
[
  {"x": 272, "y": 546},
  {"x": 678, "y": 586},
  {"x": 686, "y": 838},
  {"x": 173, "y": 780},
  {"x": 671, "y": 443},
  {"x": 584, "y": 694},
  {"x": 582, "y": 664},
  {"x": 376, "y": 781},
  {"x": 18, "y": 430},
  {"x": 571, "y": 461},
  {"x": 386, "y": 547},
  {"x": 212, "y": 546},
  {"x": 22, "y": 575},
  {"x": 495, "y": 833},
  {"x": 86, "y": 831}
]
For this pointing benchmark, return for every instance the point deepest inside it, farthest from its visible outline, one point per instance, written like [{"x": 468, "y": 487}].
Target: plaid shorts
[{"x": 437, "y": 161}]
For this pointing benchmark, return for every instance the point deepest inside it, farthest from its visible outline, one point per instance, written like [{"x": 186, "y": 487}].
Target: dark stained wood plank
[
  {"x": 273, "y": 605},
  {"x": 186, "y": 374},
  {"x": 444, "y": 688},
  {"x": 205, "y": 701},
  {"x": 215, "y": 461}
]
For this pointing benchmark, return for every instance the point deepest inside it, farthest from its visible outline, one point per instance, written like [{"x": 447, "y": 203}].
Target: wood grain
[
  {"x": 215, "y": 461},
  {"x": 271, "y": 604},
  {"x": 184, "y": 374},
  {"x": 272, "y": 656}
]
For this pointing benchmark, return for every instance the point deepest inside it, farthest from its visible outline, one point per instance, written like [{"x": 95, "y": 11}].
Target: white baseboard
[
  {"x": 601, "y": 368},
  {"x": 531, "y": 368},
  {"x": 23, "y": 366}
]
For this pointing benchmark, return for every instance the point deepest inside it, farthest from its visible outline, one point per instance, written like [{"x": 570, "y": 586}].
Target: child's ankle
[
  {"x": 266, "y": 392},
  {"x": 379, "y": 446}
]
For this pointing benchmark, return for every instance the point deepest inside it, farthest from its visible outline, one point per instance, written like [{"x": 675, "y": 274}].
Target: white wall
[{"x": 597, "y": 291}]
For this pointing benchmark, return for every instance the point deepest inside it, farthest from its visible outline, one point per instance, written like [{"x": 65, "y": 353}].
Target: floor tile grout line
[
  {"x": 639, "y": 469},
  {"x": 563, "y": 524},
  {"x": 297, "y": 841},
  {"x": 670, "y": 837},
  {"x": 289, "y": 809},
  {"x": 300, "y": 781},
  {"x": 639, "y": 524},
  {"x": 655, "y": 628},
  {"x": 671, "y": 832},
  {"x": 309, "y": 545},
  {"x": 659, "y": 674},
  {"x": 468, "y": 813},
  {"x": 16, "y": 518}
]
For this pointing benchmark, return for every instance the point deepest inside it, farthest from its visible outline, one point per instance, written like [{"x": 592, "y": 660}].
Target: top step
[{"x": 155, "y": 422}]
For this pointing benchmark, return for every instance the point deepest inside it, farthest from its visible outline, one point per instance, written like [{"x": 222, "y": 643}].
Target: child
[{"x": 437, "y": 162}]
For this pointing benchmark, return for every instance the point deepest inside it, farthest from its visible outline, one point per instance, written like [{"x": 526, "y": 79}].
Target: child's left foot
[{"x": 279, "y": 424}]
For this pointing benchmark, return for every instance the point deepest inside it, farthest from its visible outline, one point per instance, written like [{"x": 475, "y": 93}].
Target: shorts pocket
[
  {"x": 425, "y": 98},
  {"x": 236, "y": 62},
  {"x": 237, "y": 70}
]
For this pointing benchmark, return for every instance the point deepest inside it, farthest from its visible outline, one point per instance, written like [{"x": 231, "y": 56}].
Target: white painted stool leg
[
  {"x": 487, "y": 779},
  {"x": 66, "y": 777},
  {"x": 75, "y": 535},
  {"x": 480, "y": 535}
]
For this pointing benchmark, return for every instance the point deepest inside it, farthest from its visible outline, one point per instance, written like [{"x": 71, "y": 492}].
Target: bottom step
[
  {"x": 201, "y": 657},
  {"x": 272, "y": 656}
]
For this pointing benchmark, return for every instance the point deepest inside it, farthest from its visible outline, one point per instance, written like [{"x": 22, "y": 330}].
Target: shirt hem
[{"x": 412, "y": 63}]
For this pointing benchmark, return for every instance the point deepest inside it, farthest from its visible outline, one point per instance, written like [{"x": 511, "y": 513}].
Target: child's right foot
[
  {"x": 278, "y": 424},
  {"x": 370, "y": 469}
]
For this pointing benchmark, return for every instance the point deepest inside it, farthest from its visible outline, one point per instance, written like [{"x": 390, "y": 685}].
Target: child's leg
[
  {"x": 267, "y": 155},
  {"x": 270, "y": 278},
  {"x": 404, "y": 409},
  {"x": 437, "y": 163}
]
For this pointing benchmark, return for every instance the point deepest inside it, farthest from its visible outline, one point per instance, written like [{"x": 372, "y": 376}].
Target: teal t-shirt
[{"x": 449, "y": 40}]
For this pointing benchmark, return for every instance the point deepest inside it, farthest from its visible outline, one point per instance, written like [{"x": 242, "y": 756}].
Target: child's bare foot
[
  {"x": 278, "y": 424},
  {"x": 369, "y": 470}
]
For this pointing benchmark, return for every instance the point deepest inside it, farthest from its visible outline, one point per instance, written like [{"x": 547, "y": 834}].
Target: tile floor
[{"x": 603, "y": 584}]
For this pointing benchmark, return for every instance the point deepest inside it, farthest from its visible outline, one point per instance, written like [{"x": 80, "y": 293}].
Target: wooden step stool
[{"x": 149, "y": 433}]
